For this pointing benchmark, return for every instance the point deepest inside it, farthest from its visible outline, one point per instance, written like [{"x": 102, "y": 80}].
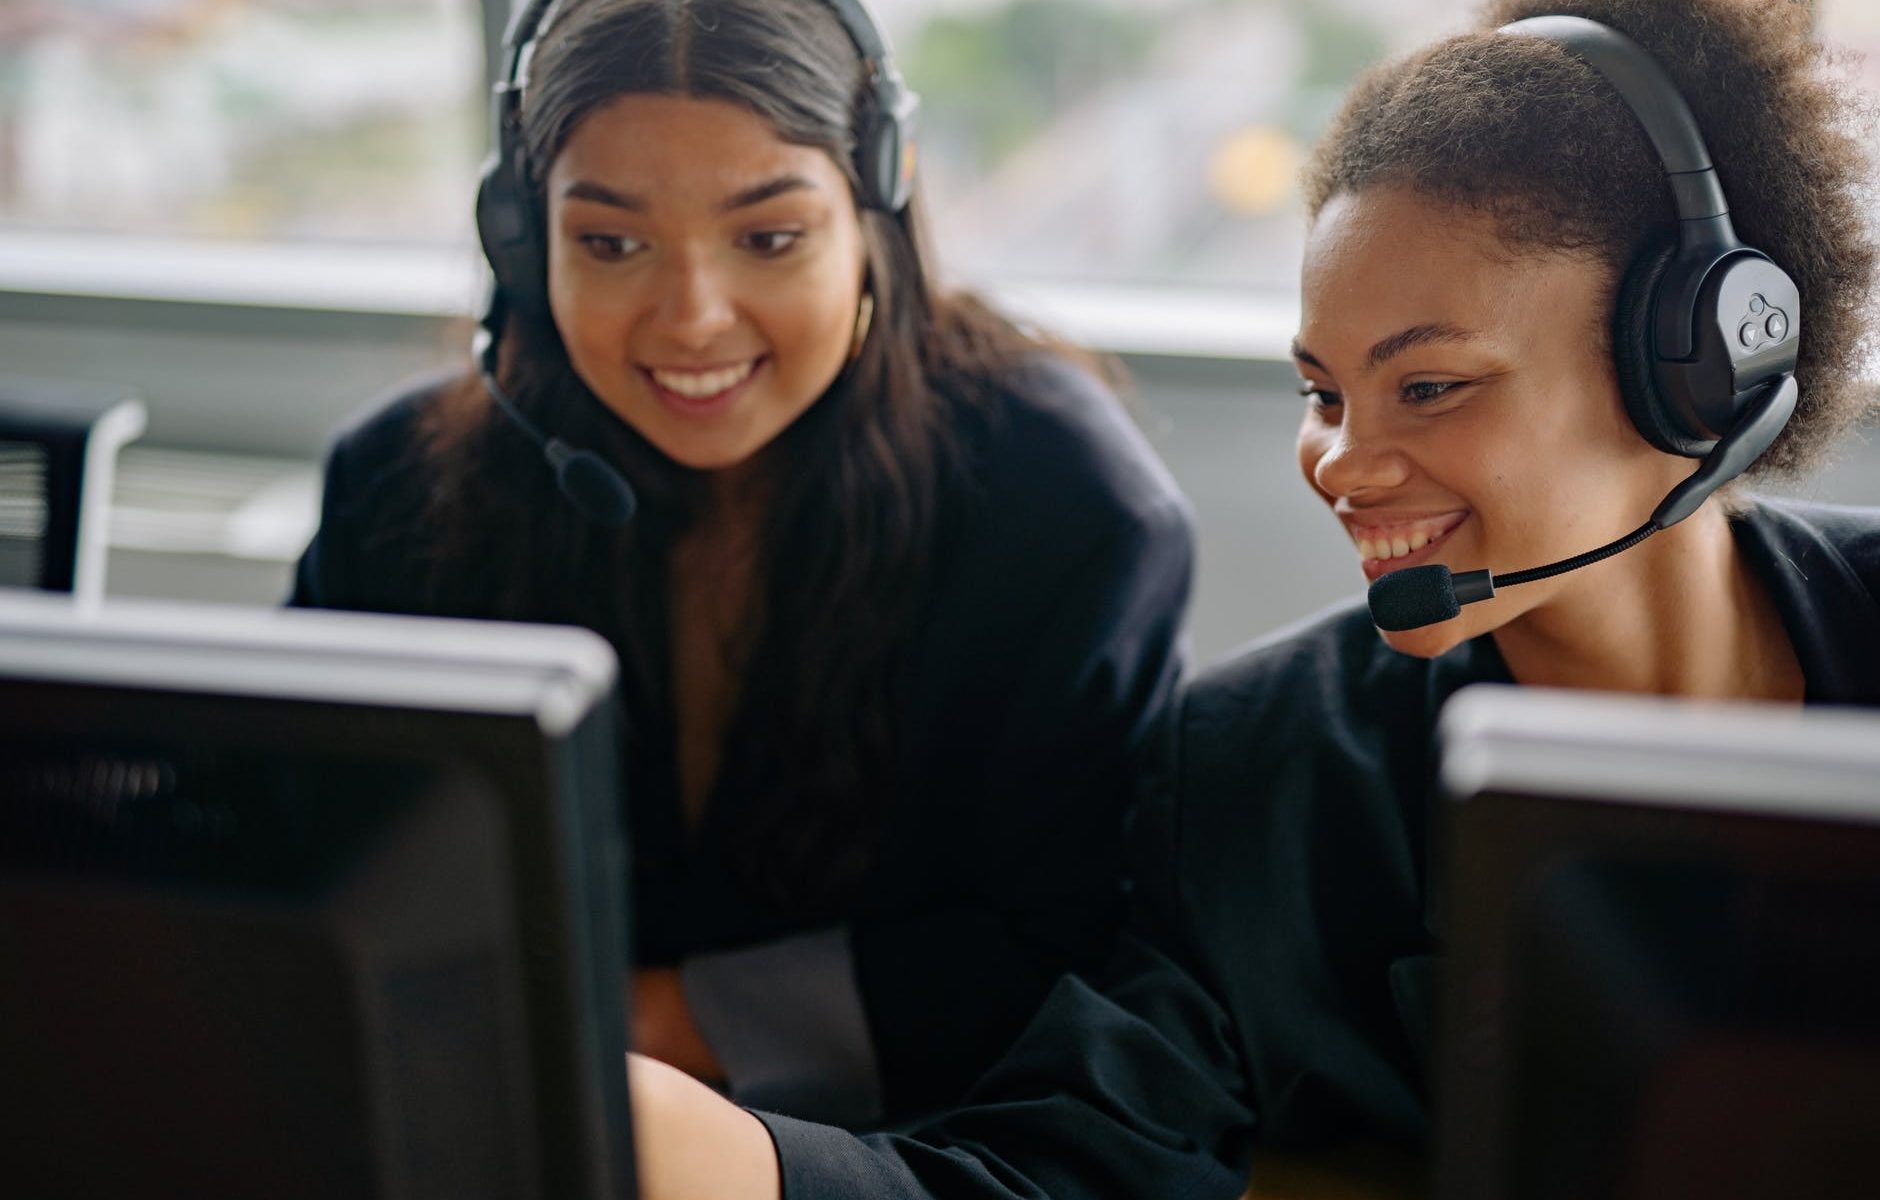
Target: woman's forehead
[
  {"x": 1399, "y": 228},
  {"x": 651, "y": 142},
  {"x": 1388, "y": 259}
]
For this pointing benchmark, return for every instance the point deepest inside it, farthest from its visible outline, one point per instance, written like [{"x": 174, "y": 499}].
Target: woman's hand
[
  {"x": 661, "y": 1026},
  {"x": 690, "y": 1141}
]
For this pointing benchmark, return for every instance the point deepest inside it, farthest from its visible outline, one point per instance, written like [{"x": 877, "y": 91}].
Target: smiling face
[
  {"x": 1462, "y": 406},
  {"x": 703, "y": 273}
]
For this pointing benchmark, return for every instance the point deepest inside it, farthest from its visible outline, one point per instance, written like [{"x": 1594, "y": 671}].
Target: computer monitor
[
  {"x": 1663, "y": 974},
  {"x": 300, "y": 904}
]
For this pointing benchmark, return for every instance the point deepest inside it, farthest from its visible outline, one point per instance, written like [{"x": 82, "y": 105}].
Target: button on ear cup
[{"x": 1651, "y": 415}]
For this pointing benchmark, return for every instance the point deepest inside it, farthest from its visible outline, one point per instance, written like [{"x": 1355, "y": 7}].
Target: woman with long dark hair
[
  {"x": 1490, "y": 229},
  {"x": 900, "y": 587}
]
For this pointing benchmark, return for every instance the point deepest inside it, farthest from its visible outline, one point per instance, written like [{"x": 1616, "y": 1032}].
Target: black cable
[{"x": 1584, "y": 560}]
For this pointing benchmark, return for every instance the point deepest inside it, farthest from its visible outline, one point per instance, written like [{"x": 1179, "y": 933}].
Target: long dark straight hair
[{"x": 852, "y": 523}]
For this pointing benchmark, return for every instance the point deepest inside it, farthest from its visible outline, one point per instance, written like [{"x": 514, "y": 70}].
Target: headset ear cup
[
  {"x": 868, "y": 161},
  {"x": 885, "y": 136},
  {"x": 878, "y": 160},
  {"x": 511, "y": 233},
  {"x": 1632, "y": 354}
]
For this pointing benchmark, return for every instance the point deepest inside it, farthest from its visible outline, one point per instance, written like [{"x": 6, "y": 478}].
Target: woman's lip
[
  {"x": 701, "y": 368},
  {"x": 1368, "y": 522},
  {"x": 1375, "y": 567},
  {"x": 697, "y": 408}
]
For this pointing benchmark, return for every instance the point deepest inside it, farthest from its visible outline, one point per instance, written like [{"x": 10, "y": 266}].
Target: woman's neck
[
  {"x": 735, "y": 496},
  {"x": 1682, "y": 614},
  {"x": 714, "y": 623}
]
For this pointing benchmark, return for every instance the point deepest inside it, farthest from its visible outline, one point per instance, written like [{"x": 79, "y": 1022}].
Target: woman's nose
[
  {"x": 696, "y": 304},
  {"x": 1357, "y": 461}
]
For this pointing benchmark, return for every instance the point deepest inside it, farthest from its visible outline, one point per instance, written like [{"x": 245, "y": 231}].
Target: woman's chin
[
  {"x": 1429, "y": 641},
  {"x": 1472, "y": 622}
]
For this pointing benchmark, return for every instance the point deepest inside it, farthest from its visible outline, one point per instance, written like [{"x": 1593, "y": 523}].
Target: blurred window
[
  {"x": 1159, "y": 141},
  {"x": 271, "y": 120},
  {"x": 1135, "y": 141},
  {"x": 1853, "y": 26},
  {"x": 1077, "y": 141},
  {"x": 1066, "y": 140}
]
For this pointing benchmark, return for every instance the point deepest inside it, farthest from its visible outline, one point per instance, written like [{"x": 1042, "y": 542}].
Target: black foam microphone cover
[
  {"x": 1413, "y": 597},
  {"x": 594, "y": 486},
  {"x": 589, "y": 481}
]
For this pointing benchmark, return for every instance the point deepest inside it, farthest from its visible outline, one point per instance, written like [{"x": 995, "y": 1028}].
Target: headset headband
[
  {"x": 537, "y": 16},
  {"x": 1660, "y": 110}
]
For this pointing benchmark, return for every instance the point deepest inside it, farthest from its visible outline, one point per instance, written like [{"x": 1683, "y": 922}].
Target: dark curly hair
[{"x": 1519, "y": 130}]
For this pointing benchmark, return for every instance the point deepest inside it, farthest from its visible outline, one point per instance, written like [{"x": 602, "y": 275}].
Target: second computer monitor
[{"x": 1664, "y": 960}]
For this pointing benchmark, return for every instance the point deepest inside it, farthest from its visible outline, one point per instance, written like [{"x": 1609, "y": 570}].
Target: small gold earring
[{"x": 864, "y": 317}]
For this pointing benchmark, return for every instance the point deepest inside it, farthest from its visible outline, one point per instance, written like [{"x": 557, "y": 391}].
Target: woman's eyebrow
[
  {"x": 1432, "y": 333},
  {"x": 766, "y": 190},
  {"x": 1306, "y": 356},
  {"x": 1388, "y": 348},
  {"x": 600, "y": 193}
]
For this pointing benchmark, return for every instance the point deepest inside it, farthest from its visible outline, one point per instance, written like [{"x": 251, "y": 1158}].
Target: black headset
[
  {"x": 1703, "y": 323},
  {"x": 1705, "y": 333},
  {"x": 511, "y": 225}
]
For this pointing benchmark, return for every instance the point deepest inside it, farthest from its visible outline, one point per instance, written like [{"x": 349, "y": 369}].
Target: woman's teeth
[
  {"x": 696, "y": 385},
  {"x": 1397, "y": 545}
]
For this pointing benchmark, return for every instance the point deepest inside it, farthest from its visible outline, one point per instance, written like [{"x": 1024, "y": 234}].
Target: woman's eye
[
  {"x": 1424, "y": 391},
  {"x": 769, "y": 243},
  {"x": 608, "y": 247},
  {"x": 1320, "y": 399}
]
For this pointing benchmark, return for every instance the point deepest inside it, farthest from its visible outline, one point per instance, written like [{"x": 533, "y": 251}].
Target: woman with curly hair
[{"x": 1480, "y": 213}]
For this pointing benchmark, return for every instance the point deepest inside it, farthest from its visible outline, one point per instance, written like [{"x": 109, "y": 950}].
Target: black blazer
[
  {"x": 1045, "y": 652},
  {"x": 1274, "y": 986}
]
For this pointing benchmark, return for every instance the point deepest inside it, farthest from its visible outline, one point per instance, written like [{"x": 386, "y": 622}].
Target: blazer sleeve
[
  {"x": 326, "y": 576},
  {"x": 1135, "y": 1087},
  {"x": 1036, "y": 871},
  {"x": 362, "y": 557}
]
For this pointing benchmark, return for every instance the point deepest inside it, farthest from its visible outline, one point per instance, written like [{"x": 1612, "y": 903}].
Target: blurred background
[{"x": 257, "y": 213}]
